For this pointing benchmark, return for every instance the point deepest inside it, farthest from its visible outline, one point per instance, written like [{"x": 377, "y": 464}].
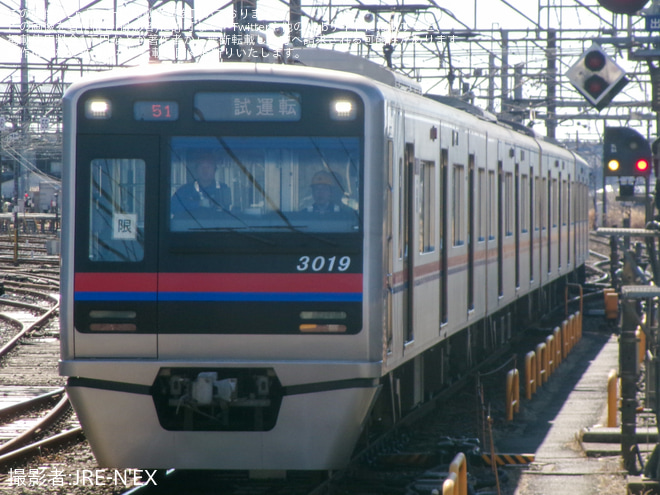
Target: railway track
[
  {"x": 411, "y": 458},
  {"x": 34, "y": 424},
  {"x": 408, "y": 460},
  {"x": 29, "y": 304}
]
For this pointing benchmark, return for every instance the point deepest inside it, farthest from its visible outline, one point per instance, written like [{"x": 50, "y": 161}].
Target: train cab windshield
[{"x": 264, "y": 184}]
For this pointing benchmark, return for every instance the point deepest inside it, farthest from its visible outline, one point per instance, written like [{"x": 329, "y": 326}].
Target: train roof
[
  {"x": 346, "y": 62},
  {"x": 345, "y": 67}
]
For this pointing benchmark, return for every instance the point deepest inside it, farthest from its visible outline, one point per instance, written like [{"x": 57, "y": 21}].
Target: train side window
[
  {"x": 403, "y": 222},
  {"x": 444, "y": 255},
  {"x": 117, "y": 206},
  {"x": 567, "y": 218},
  {"x": 500, "y": 228},
  {"x": 524, "y": 204},
  {"x": 427, "y": 202},
  {"x": 537, "y": 210},
  {"x": 544, "y": 203},
  {"x": 564, "y": 211},
  {"x": 555, "y": 203},
  {"x": 483, "y": 205},
  {"x": 492, "y": 201},
  {"x": 508, "y": 204},
  {"x": 458, "y": 205}
]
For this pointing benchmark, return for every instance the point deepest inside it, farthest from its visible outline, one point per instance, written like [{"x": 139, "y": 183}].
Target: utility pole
[
  {"x": 25, "y": 118},
  {"x": 505, "y": 71},
  {"x": 295, "y": 19},
  {"x": 491, "y": 82},
  {"x": 551, "y": 121}
]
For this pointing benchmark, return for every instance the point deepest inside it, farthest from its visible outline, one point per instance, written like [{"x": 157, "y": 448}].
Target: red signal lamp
[
  {"x": 595, "y": 60},
  {"x": 595, "y": 86},
  {"x": 626, "y": 153}
]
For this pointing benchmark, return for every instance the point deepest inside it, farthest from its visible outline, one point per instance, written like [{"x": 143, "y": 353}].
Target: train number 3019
[{"x": 323, "y": 264}]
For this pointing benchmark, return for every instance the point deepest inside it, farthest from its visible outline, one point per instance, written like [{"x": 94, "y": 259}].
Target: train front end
[{"x": 214, "y": 295}]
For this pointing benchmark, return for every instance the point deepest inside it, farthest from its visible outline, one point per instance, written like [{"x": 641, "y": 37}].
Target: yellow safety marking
[{"x": 504, "y": 459}]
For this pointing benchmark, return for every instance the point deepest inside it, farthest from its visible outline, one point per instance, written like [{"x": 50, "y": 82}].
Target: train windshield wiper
[
  {"x": 250, "y": 227},
  {"x": 238, "y": 230},
  {"x": 255, "y": 183},
  {"x": 241, "y": 231}
]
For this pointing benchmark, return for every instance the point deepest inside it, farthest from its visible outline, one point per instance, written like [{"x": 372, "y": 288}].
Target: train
[{"x": 260, "y": 260}]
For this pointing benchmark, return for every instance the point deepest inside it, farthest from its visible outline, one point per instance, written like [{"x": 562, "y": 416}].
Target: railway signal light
[
  {"x": 626, "y": 153},
  {"x": 623, "y": 6},
  {"x": 597, "y": 77}
]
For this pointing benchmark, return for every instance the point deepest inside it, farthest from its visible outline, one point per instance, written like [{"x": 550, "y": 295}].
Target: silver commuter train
[{"x": 253, "y": 332}]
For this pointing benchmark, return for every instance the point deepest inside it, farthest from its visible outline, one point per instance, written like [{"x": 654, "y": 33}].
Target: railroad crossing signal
[
  {"x": 626, "y": 153},
  {"x": 597, "y": 77},
  {"x": 623, "y": 6}
]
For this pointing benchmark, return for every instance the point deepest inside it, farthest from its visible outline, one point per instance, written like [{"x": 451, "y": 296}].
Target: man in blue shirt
[{"x": 205, "y": 194}]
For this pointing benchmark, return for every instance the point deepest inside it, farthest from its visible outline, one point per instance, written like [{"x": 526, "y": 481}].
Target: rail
[
  {"x": 27, "y": 329},
  {"x": 52, "y": 417}
]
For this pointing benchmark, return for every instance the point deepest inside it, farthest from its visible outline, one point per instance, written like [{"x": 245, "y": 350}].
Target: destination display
[{"x": 247, "y": 107}]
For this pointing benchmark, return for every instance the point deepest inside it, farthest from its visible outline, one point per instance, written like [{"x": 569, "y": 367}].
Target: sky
[{"x": 490, "y": 16}]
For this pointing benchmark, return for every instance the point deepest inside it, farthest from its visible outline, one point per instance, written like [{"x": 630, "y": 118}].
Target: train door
[
  {"x": 572, "y": 219},
  {"x": 115, "y": 261},
  {"x": 425, "y": 231},
  {"x": 533, "y": 226},
  {"x": 569, "y": 201},
  {"x": 516, "y": 232},
  {"x": 535, "y": 218},
  {"x": 399, "y": 254},
  {"x": 444, "y": 270},
  {"x": 542, "y": 206},
  {"x": 389, "y": 249},
  {"x": 448, "y": 142},
  {"x": 560, "y": 220},
  {"x": 524, "y": 233},
  {"x": 550, "y": 193},
  {"x": 408, "y": 225},
  {"x": 491, "y": 265},
  {"x": 500, "y": 229},
  {"x": 471, "y": 241},
  {"x": 476, "y": 197}
]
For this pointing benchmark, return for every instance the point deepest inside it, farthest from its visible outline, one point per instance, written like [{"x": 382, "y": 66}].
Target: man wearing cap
[{"x": 327, "y": 192}]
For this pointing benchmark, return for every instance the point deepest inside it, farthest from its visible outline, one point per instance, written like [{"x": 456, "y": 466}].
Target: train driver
[
  {"x": 205, "y": 193},
  {"x": 327, "y": 192}
]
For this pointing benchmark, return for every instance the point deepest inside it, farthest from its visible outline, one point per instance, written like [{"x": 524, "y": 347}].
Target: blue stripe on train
[{"x": 220, "y": 296}]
